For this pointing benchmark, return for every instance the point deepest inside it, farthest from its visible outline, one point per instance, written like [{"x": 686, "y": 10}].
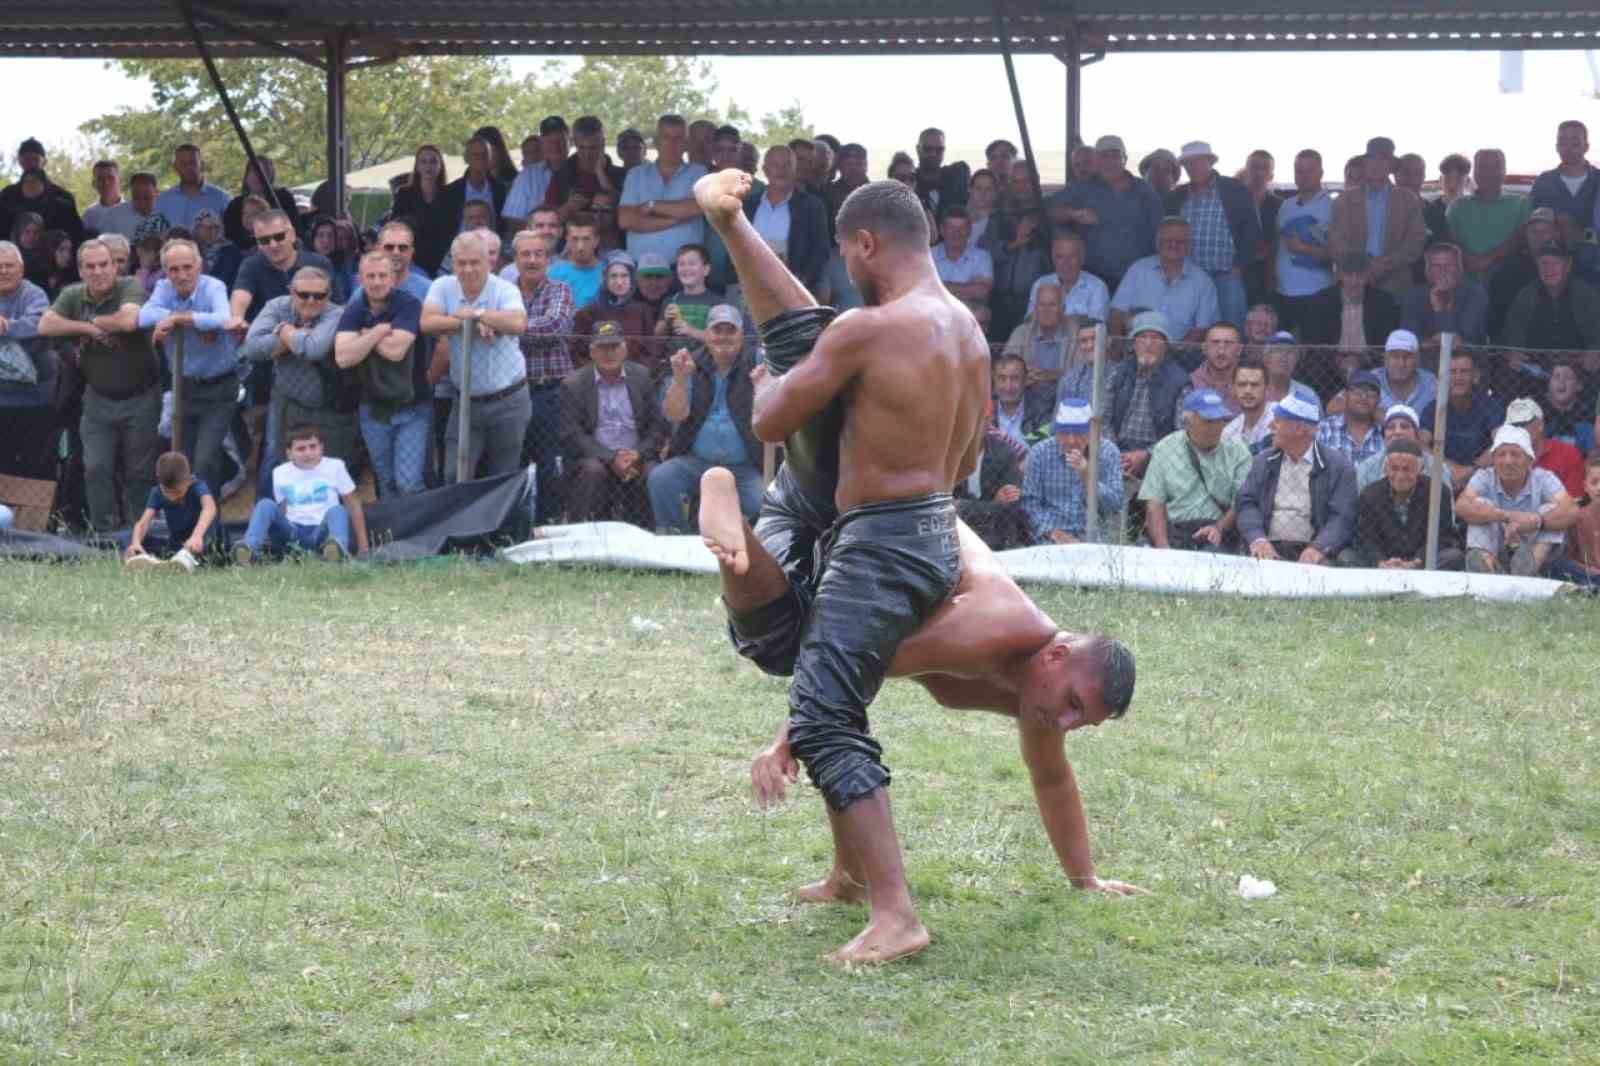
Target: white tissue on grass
[
  {"x": 641, "y": 624},
  {"x": 1251, "y": 888}
]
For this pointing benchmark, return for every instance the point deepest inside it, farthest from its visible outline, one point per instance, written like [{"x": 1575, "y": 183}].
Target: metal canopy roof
[{"x": 384, "y": 28}]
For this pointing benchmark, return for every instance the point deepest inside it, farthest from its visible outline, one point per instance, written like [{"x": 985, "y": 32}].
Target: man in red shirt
[{"x": 1557, "y": 456}]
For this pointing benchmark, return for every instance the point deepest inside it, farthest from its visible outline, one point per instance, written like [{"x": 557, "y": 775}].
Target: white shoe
[
  {"x": 188, "y": 563},
  {"x": 141, "y": 563}
]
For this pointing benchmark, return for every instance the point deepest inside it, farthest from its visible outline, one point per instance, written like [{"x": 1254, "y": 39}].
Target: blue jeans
[
  {"x": 399, "y": 448},
  {"x": 542, "y": 447},
  {"x": 1565, "y": 569},
  {"x": 267, "y": 523},
  {"x": 677, "y": 478},
  {"x": 1232, "y": 303}
]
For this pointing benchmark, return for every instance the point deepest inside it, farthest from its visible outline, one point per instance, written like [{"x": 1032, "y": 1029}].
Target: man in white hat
[
  {"x": 1225, "y": 224},
  {"x": 1399, "y": 423},
  {"x": 1053, "y": 494},
  {"x": 1516, "y": 515},
  {"x": 1399, "y": 378},
  {"x": 1298, "y": 503}
]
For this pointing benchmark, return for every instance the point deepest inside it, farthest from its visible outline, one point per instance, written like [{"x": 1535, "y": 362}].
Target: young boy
[
  {"x": 1581, "y": 566},
  {"x": 686, "y": 310},
  {"x": 190, "y": 510},
  {"x": 313, "y": 505}
]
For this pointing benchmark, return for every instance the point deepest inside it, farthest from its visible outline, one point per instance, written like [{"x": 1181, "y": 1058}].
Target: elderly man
[
  {"x": 1053, "y": 494},
  {"x": 1399, "y": 379},
  {"x": 27, "y": 386},
  {"x": 577, "y": 178},
  {"x": 1194, "y": 474},
  {"x": 193, "y": 193},
  {"x": 1298, "y": 502},
  {"x": 379, "y": 337},
  {"x": 1381, "y": 219},
  {"x": 550, "y": 308},
  {"x": 1399, "y": 423},
  {"x": 294, "y": 333},
  {"x": 1171, "y": 283},
  {"x": 1225, "y": 227},
  {"x": 658, "y": 211},
  {"x": 708, "y": 404},
  {"x": 191, "y": 308},
  {"x": 500, "y": 406},
  {"x": 1558, "y": 312},
  {"x": 1116, "y": 212},
  {"x": 265, "y": 277},
  {"x": 99, "y": 316},
  {"x": 966, "y": 270},
  {"x": 1557, "y": 456},
  {"x": 1516, "y": 514},
  {"x": 1487, "y": 223},
  {"x": 1392, "y": 517},
  {"x": 1084, "y": 294},
  {"x": 1143, "y": 393},
  {"x": 611, "y": 431},
  {"x": 1448, "y": 303},
  {"x": 791, "y": 220},
  {"x": 1354, "y": 432},
  {"x": 1018, "y": 412},
  {"x": 1470, "y": 419},
  {"x": 1253, "y": 423},
  {"x": 1044, "y": 341}
]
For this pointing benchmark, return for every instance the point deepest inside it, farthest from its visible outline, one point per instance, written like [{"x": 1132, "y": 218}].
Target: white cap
[
  {"x": 1401, "y": 340},
  {"x": 1401, "y": 410},
  {"x": 1298, "y": 408},
  {"x": 1197, "y": 148},
  {"x": 1513, "y": 435}
]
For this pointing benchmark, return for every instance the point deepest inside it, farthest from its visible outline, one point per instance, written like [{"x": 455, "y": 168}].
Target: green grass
[{"x": 465, "y": 814}]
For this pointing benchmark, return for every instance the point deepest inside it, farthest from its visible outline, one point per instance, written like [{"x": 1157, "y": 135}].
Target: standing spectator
[
  {"x": 653, "y": 279},
  {"x": 56, "y": 263},
  {"x": 380, "y": 337},
  {"x": 982, "y": 196},
  {"x": 313, "y": 506},
  {"x": 700, "y": 133},
  {"x": 1303, "y": 267},
  {"x": 265, "y": 276},
  {"x": 1399, "y": 379},
  {"x": 1454, "y": 170},
  {"x": 531, "y": 186},
  {"x": 1044, "y": 341},
  {"x": 480, "y": 184},
  {"x": 618, "y": 302},
  {"x": 1194, "y": 474},
  {"x": 1224, "y": 223},
  {"x": 1160, "y": 168},
  {"x": 1520, "y": 269},
  {"x": 219, "y": 256},
  {"x": 1392, "y": 517},
  {"x": 1411, "y": 173},
  {"x": 110, "y": 213},
  {"x": 1448, "y": 303},
  {"x": 630, "y": 149},
  {"x": 500, "y": 164},
  {"x": 1019, "y": 261},
  {"x": 1572, "y": 193},
  {"x": 1083, "y": 294},
  {"x": 30, "y": 160},
  {"x": 1380, "y": 219},
  {"x": 611, "y": 431},
  {"x": 51, "y": 206},
  {"x": 1220, "y": 352},
  {"x": 1053, "y": 495},
  {"x": 791, "y": 220},
  {"x": 1298, "y": 502},
  {"x": 1516, "y": 514},
  {"x": 99, "y": 317},
  {"x": 966, "y": 270},
  {"x": 1143, "y": 393},
  {"x": 1018, "y": 413},
  {"x": 588, "y": 171},
  {"x": 1116, "y": 212},
  {"x": 852, "y": 175},
  {"x": 1471, "y": 416},
  {"x": 27, "y": 375},
  {"x": 1253, "y": 423},
  {"x": 422, "y": 202},
  {"x": 709, "y": 405},
  {"x": 1486, "y": 224},
  {"x": 399, "y": 240},
  {"x": 264, "y": 185},
  {"x": 545, "y": 344},
  {"x": 1354, "y": 432},
  {"x": 999, "y": 157},
  {"x": 1399, "y": 423},
  {"x": 658, "y": 211},
  {"x": 186, "y": 303},
  {"x": 1558, "y": 312},
  {"x": 938, "y": 185},
  {"x": 578, "y": 268},
  {"x": 1581, "y": 564},
  {"x": 141, "y": 205},
  {"x": 500, "y": 403},
  {"x": 724, "y": 149},
  {"x": 193, "y": 193},
  {"x": 1557, "y": 456},
  {"x": 1172, "y": 283},
  {"x": 1259, "y": 169},
  {"x": 147, "y": 242}
]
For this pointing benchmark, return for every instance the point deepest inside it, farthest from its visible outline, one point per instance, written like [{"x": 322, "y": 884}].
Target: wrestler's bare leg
[
  {"x": 769, "y": 289},
  {"x": 893, "y": 929},
  {"x": 751, "y": 577},
  {"x": 845, "y": 883}
]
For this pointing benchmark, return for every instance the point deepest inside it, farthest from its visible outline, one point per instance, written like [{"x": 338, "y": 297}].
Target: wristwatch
[{"x": 650, "y": 208}]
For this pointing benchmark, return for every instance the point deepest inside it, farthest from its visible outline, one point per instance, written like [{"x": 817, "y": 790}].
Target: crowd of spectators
[{"x": 1271, "y": 354}]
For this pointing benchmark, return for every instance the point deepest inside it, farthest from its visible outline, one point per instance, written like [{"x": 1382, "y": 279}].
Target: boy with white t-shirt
[{"x": 313, "y": 505}]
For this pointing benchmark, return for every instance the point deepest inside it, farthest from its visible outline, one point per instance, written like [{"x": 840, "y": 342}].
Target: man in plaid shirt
[
  {"x": 544, "y": 343},
  {"x": 1053, "y": 495}
]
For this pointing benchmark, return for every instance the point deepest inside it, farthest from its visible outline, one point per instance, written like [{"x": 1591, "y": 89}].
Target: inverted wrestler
[{"x": 914, "y": 367}]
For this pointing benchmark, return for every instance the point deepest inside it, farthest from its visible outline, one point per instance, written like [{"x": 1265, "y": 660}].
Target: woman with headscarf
[
  {"x": 219, "y": 256},
  {"x": 422, "y": 203},
  {"x": 233, "y": 224},
  {"x": 619, "y": 302}
]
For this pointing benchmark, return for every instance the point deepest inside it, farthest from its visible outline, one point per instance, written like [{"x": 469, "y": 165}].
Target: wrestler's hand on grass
[
  {"x": 1113, "y": 888},
  {"x": 772, "y": 771}
]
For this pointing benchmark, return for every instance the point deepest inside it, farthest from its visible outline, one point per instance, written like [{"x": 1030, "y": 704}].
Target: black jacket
[
  {"x": 1169, "y": 382},
  {"x": 809, "y": 246},
  {"x": 455, "y": 198},
  {"x": 954, "y": 180},
  {"x": 1381, "y": 535},
  {"x": 741, "y": 405},
  {"x": 1333, "y": 498},
  {"x": 56, "y": 206}
]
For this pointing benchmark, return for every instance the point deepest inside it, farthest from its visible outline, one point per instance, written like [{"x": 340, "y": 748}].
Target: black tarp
[
  {"x": 43, "y": 547},
  {"x": 471, "y": 516}
]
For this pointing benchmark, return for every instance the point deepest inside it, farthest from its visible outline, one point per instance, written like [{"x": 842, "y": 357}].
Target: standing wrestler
[{"x": 915, "y": 369}]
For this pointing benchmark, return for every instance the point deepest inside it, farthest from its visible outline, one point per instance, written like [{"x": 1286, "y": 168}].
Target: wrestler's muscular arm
[
  {"x": 1061, "y": 809},
  {"x": 783, "y": 405}
]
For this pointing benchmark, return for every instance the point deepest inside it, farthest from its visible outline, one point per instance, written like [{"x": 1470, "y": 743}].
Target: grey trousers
[
  {"x": 125, "y": 430},
  {"x": 497, "y": 431},
  {"x": 207, "y": 414}
]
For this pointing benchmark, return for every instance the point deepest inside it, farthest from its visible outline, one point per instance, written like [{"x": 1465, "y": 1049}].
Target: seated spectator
[
  {"x": 578, "y": 268},
  {"x": 1019, "y": 261},
  {"x": 1143, "y": 393},
  {"x": 1581, "y": 564},
  {"x": 148, "y": 242},
  {"x": 1171, "y": 283},
  {"x": 99, "y": 320},
  {"x": 1220, "y": 350},
  {"x": 180, "y": 204},
  {"x": 1354, "y": 433},
  {"x": 1512, "y": 374},
  {"x": 1018, "y": 414},
  {"x": 793, "y": 221},
  {"x": 1354, "y": 314},
  {"x": 1194, "y": 474},
  {"x": 112, "y": 214},
  {"x": 1566, "y": 417},
  {"x": 1299, "y": 501},
  {"x": 380, "y": 338},
  {"x": 709, "y": 404},
  {"x": 27, "y": 375},
  {"x": 1470, "y": 419},
  {"x": 1556, "y": 313},
  {"x": 1392, "y": 517},
  {"x": 1260, "y": 326},
  {"x": 1399, "y": 377},
  {"x": 618, "y": 302},
  {"x": 1399, "y": 423},
  {"x": 1516, "y": 515},
  {"x": 423, "y": 204},
  {"x": 1281, "y": 358},
  {"x": 1519, "y": 269},
  {"x": 989, "y": 227},
  {"x": 1253, "y": 424},
  {"x": 1448, "y": 303},
  {"x": 1053, "y": 494},
  {"x": 1077, "y": 382},
  {"x": 684, "y": 313},
  {"x": 1486, "y": 222},
  {"x": 1084, "y": 294},
  {"x": 1116, "y": 212},
  {"x": 1557, "y": 456},
  {"x": 1043, "y": 341},
  {"x": 966, "y": 270},
  {"x": 611, "y": 432},
  {"x": 190, "y": 511},
  {"x": 313, "y": 506},
  {"x": 990, "y": 500}
]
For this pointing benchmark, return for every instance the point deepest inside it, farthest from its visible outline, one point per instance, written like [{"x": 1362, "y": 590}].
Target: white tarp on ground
[{"x": 623, "y": 546}]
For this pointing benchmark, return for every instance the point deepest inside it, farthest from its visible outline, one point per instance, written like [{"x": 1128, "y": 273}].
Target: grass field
[{"x": 467, "y": 814}]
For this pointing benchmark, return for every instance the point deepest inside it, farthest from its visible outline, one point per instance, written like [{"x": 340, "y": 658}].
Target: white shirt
[
  {"x": 973, "y": 264},
  {"x": 306, "y": 496},
  {"x": 772, "y": 220},
  {"x": 1261, "y": 431}
]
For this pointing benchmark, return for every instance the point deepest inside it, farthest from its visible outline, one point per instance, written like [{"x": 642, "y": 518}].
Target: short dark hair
[
  {"x": 697, "y": 249},
  {"x": 588, "y": 126},
  {"x": 799, "y": 143},
  {"x": 172, "y": 469},
  {"x": 1592, "y": 459},
  {"x": 1457, "y": 162},
  {"x": 886, "y": 209},
  {"x": 142, "y": 176},
  {"x": 852, "y": 149},
  {"x": 982, "y": 172},
  {"x": 1114, "y": 661},
  {"x": 995, "y": 146},
  {"x": 1250, "y": 362},
  {"x": 723, "y": 133},
  {"x": 1223, "y": 323},
  {"x": 672, "y": 120},
  {"x": 1404, "y": 447},
  {"x": 553, "y": 124},
  {"x": 1574, "y": 124},
  {"x": 1309, "y": 153},
  {"x": 304, "y": 431},
  {"x": 1008, "y": 357},
  {"x": 955, "y": 211},
  {"x": 830, "y": 140},
  {"x": 582, "y": 220}
]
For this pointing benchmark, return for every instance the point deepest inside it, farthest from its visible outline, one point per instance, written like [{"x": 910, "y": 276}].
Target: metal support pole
[
  {"x": 1016, "y": 105},
  {"x": 178, "y": 389},
  {"x": 338, "y": 62},
  {"x": 1074, "y": 102},
  {"x": 464, "y": 406},
  {"x": 1091, "y": 487},
  {"x": 227, "y": 102},
  {"x": 1447, "y": 344}
]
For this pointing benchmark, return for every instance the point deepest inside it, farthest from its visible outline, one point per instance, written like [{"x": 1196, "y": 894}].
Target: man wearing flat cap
[{"x": 1381, "y": 219}]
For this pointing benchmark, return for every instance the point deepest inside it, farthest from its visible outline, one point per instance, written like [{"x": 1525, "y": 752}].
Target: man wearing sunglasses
[
  {"x": 398, "y": 241},
  {"x": 265, "y": 275}
]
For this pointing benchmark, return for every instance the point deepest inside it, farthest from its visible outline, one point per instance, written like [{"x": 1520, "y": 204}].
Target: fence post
[
  {"x": 178, "y": 389},
  {"x": 464, "y": 406},
  {"x": 1441, "y": 398},
  {"x": 1091, "y": 487}
]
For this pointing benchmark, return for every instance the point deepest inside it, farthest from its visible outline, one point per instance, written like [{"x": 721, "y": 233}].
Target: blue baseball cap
[
  {"x": 1367, "y": 379},
  {"x": 1072, "y": 416},
  {"x": 1298, "y": 408},
  {"x": 1208, "y": 404}
]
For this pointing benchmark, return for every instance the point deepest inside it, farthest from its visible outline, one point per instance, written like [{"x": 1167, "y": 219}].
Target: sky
[{"x": 1428, "y": 102}]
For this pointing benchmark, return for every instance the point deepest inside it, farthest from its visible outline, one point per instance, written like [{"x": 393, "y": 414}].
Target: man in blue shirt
[
  {"x": 1304, "y": 263},
  {"x": 1116, "y": 212},
  {"x": 1053, "y": 494},
  {"x": 657, "y": 209},
  {"x": 1471, "y": 417},
  {"x": 193, "y": 193},
  {"x": 1169, "y": 282},
  {"x": 578, "y": 267},
  {"x": 709, "y": 404}
]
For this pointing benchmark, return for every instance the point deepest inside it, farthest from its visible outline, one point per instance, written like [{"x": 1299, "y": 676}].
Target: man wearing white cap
[
  {"x": 1399, "y": 379},
  {"x": 1399, "y": 423},
  {"x": 1298, "y": 502},
  {"x": 1226, "y": 226},
  {"x": 1053, "y": 494},
  {"x": 1557, "y": 456},
  {"x": 1116, "y": 212},
  {"x": 1516, "y": 514}
]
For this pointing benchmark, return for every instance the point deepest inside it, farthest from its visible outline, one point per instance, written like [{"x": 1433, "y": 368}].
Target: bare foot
[
  {"x": 835, "y": 888},
  {"x": 882, "y": 941},
  {"x": 721, "y": 520},
  {"x": 721, "y": 195}
]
